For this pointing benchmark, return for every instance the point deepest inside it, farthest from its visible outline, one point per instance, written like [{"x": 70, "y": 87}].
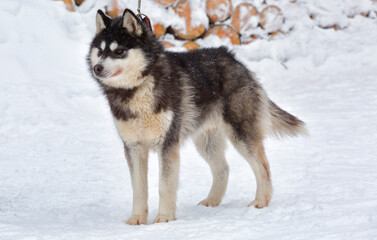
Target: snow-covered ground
[{"x": 62, "y": 170}]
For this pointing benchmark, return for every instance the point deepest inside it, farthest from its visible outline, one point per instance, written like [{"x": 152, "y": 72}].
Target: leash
[
  {"x": 142, "y": 16},
  {"x": 138, "y": 8}
]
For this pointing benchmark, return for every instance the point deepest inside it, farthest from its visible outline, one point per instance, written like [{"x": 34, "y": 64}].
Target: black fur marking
[
  {"x": 118, "y": 99},
  {"x": 106, "y": 19},
  {"x": 167, "y": 90}
]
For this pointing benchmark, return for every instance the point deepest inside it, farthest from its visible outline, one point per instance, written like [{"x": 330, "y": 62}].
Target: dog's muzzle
[{"x": 98, "y": 69}]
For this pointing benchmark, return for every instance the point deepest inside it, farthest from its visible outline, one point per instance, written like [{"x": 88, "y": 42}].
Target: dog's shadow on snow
[{"x": 229, "y": 209}]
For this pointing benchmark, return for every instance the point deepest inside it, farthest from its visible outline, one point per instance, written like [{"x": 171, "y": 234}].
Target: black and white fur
[{"x": 159, "y": 98}]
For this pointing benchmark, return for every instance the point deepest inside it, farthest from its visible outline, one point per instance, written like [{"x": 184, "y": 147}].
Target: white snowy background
[{"x": 62, "y": 170}]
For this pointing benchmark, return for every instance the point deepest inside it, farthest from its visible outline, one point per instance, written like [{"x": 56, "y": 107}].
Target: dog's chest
[{"x": 147, "y": 126}]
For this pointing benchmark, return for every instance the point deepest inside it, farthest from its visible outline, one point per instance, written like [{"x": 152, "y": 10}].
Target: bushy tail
[{"x": 284, "y": 123}]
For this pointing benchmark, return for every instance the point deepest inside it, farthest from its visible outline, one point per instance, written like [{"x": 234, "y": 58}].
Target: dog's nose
[{"x": 98, "y": 69}]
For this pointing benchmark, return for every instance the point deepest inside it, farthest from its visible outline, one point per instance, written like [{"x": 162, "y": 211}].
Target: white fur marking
[
  {"x": 103, "y": 45},
  {"x": 113, "y": 46},
  {"x": 94, "y": 56},
  {"x": 132, "y": 67}
]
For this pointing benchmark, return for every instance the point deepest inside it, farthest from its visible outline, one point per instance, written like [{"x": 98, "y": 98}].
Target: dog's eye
[
  {"x": 100, "y": 52},
  {"x": 119, "y": 51}
]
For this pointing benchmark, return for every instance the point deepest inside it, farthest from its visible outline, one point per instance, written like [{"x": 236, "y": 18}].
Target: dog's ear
[
  {"x": 132, "y": 23},
  {"x": 102, "y": 21}
]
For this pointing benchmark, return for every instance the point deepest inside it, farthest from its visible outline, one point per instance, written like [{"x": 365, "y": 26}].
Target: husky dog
[{"x": 159, "y": 98}]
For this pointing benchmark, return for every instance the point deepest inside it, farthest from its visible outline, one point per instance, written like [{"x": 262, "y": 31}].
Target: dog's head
[{"x": 122, "y": 51}]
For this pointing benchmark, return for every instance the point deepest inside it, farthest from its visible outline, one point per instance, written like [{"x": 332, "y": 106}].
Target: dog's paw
[
  {"x": 163, "y": 218},
  {"x": 259, "y": 203},
  {"x": 137, "y": 220},
  {"x": 209, "y": 203}
]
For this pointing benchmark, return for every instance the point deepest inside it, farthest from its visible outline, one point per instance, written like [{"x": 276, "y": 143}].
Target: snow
[
  {"x": 62, "y": 170},
  {"x": 273, "y": 19},
  {"x": 248, "y": 21},
  {"x": 198, "y": 15},
  {"x": 222, "y": 11}
]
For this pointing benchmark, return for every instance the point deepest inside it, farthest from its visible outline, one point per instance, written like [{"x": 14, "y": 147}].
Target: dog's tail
[{"x": 284, "y": 123}]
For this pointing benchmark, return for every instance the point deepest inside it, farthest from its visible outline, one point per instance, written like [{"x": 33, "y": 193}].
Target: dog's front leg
[
  {"x": 169, "y": 168},
  {"x": 137, "y": 159}
]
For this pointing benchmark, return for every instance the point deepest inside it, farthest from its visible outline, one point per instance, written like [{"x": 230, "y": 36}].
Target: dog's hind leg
[
  {"x": 246, "y": 120},
  {"x": 261, "y": 169},
  {"x": 253, "y": 152},
  {"x": 211, "y": 146}
]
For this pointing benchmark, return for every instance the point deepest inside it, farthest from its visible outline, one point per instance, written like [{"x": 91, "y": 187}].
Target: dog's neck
[{"x": 124, "y": 94}]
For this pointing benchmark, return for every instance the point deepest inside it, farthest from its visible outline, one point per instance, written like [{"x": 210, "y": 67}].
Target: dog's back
[{"x": 218, "y": 83}]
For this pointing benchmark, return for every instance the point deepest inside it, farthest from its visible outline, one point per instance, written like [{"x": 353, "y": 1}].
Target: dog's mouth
[
  {"x": 100, "y": 75},
  {"x": 117, "y": 73},
  {"x": 106, "y": 75}
]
